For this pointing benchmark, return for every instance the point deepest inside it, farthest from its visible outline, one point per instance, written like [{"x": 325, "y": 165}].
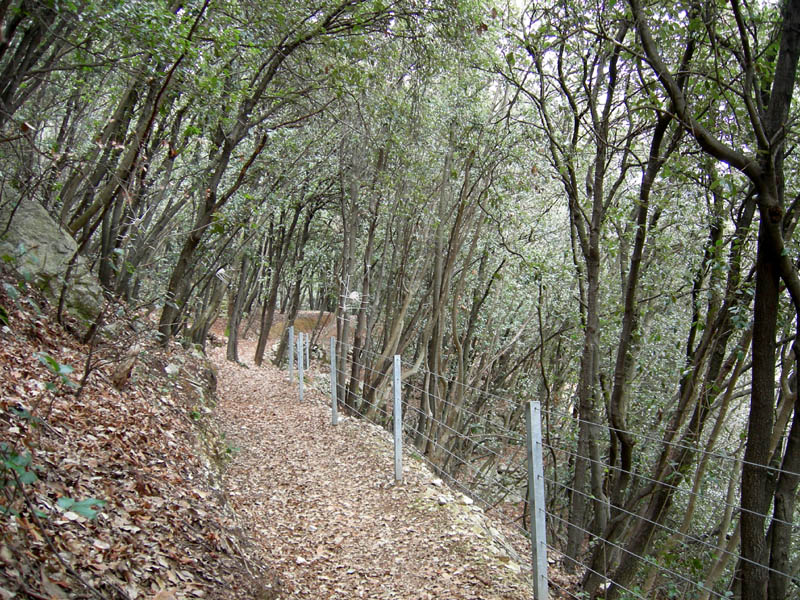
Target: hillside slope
[
  {"x": 156, "y": 488},
  {"x": 111, "y": 493}
]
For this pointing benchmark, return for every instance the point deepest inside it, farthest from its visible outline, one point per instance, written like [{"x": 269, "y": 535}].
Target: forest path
[{"x": 322, "y": 502}]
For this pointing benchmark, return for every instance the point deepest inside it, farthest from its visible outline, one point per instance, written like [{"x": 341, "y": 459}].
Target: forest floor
[
  {"x": 110, "y": 465},
  {"x": 322, "y": 502},
  {"x": 142, "y": 484}
]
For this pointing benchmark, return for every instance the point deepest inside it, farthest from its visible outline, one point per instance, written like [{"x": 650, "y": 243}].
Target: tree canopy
[{"x": 590, "y": 204}]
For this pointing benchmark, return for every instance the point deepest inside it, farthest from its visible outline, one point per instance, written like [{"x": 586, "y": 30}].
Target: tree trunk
[
  {"x": 268, "y": 310},
  {"x": 291, "y": 315},
  {"x": 756, "y": 481},
  {"x": 205, "y": 319},
  {"x": 232, "y": 352},
  {"x": 177, "y": 287},
  {"x": 781, "y": 529},
  {"x": 267, "y": 316},
  {"x": 44, "y": 32}
]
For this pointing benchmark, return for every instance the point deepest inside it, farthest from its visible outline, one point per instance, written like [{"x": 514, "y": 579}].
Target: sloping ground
[
  {"x": 117, "y": 493},
  {"x": 162, "y": 530},
  {"x": 322, "y": 502}
]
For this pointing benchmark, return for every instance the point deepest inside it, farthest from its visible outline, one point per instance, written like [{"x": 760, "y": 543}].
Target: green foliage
[
  {"x": 12, "y": 292},
  {"x": 17, "y": 469},
  {"x": 398, "y": 121},
  {"x": 85, "y": 508},
  {"x": 61, "y": 371},
  {"x": 16, "y": 464},
  {"x": 25, "y": 415}
]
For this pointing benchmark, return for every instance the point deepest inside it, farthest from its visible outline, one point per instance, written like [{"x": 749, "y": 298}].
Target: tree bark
[
  {"x": 232, "y": 351},
  {"x": 756, "y": 484},
  {"x": 268, "y": 310}
]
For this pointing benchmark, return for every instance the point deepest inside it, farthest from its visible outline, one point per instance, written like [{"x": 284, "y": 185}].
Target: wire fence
[{"x": 666, "y": 527}]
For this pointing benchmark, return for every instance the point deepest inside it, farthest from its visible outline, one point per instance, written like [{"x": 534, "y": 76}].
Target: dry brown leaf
[
  {"x": 295, "y": 488},
  {"x": 51, "y": 587}
]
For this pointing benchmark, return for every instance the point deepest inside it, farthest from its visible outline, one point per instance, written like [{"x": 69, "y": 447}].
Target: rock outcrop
[{"x": 38, "y": 248}]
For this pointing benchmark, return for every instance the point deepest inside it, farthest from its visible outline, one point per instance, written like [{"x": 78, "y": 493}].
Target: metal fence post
[
  {"x": 398, "y": 424},
  {"x": 308, "y": 350},
  {"x": 300, "y": 362},
  {"x": 334, "y": 406},
  {"x": 291, "y": 351},
  {"x": 533, "y": 429}
]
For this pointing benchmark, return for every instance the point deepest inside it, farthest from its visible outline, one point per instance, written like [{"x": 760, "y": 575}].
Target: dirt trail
[{"x": 322, "y": 501}]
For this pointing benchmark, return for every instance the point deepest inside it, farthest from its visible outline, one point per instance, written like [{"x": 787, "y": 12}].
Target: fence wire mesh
[{"x": 671, "y": 532}]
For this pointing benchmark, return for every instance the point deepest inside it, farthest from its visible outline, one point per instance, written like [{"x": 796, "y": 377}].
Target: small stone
[
  {"x": 466, "y": 500},
  {"x": 443, "y": 500},
  {"x": 301, "y": 561},
  {"x": 437, "y": 482},
  {"x": 513, "y": 567},
  {"x": 172, "y": 369}
]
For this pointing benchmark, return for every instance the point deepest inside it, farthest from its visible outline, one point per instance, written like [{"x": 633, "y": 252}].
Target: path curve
[{"x": 322, "y": 502}]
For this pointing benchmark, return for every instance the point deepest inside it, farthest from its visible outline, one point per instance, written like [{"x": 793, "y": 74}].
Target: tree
[
  {"x": 765, "y": 91},
  {"x": 253, "y": 109}
]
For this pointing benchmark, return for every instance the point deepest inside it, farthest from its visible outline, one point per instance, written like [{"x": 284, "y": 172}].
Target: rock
[
  {"x": 34, "y": 243},
  {"x": 437, "y": 482},
  {"x": 172, "y": 369},
  {"x": 443, "y": 500},
  {"x": 514, "y": 567},
  {"x": 122, "y": 371},
  {"x": 466, "y": 500}
]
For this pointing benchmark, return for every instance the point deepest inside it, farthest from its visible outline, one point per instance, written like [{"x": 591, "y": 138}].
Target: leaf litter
[
  {"x": 147, "y": 485},
  {"x": 112, "y": 493},
  {"x": 322, "y": 501}
]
